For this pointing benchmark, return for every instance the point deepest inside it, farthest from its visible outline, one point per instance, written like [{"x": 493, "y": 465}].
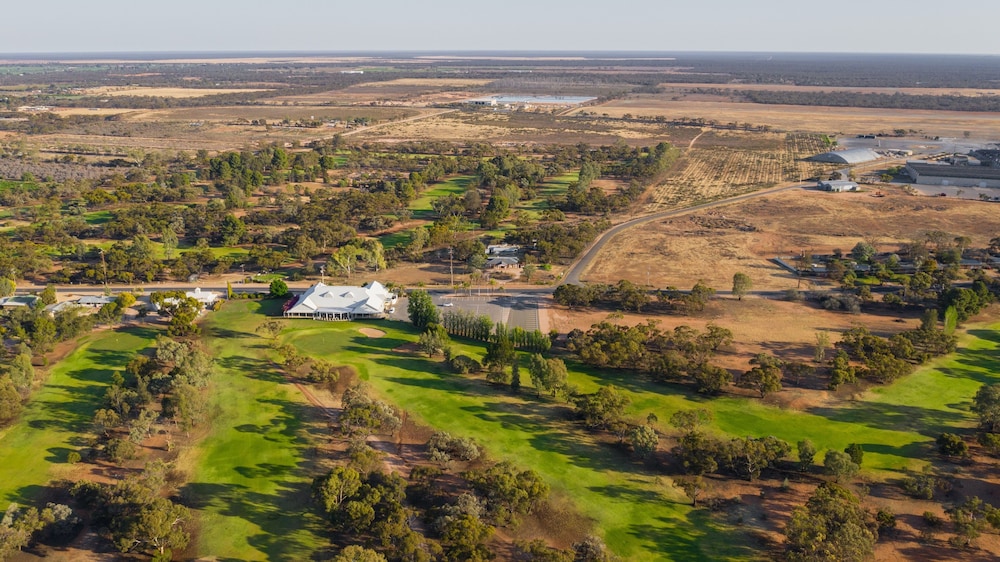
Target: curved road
[{"x": 581, "y": 266}]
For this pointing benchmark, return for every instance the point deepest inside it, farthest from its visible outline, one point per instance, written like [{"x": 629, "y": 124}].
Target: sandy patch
[{"x": 372, "y": 332}]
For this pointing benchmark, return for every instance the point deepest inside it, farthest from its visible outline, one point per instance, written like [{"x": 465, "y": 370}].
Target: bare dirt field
[
  {"x": 713, "y": 245},
  {"x": 816, "y": 119},
  {"x": 113, "y": 91}
]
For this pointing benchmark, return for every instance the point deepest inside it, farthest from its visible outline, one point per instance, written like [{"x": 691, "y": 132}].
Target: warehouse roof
[
  {"x": 849, "y": 156},
  {"x": 946, "y": 171}
]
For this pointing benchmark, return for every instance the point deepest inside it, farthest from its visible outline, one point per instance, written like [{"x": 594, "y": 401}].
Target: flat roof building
[{"x": 926, "y": 173}]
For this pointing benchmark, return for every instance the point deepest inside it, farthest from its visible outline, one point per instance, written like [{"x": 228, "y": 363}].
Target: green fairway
[
  {"x": 97, "y": 217},
  {"x": 57, "y": 419},
  {"x": 421, "y": 206},
  {"x": 552, "y": 188},
  {"x": 642, "y": 516},
  {"x": 249, "y": 477}
]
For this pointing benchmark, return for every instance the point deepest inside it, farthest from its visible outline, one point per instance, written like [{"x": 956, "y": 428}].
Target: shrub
[
  {"x": 73, "y": 457},
  {"x": 463, "y": 364},
  {"x": 951, "y": 445}
]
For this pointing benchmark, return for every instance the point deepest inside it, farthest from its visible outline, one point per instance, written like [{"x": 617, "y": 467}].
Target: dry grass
[
  {"x": 723, "y": 164},
  {"x": 165, "y": 92},
  {"x": 713, "y": 245},
  {"x": 517, "y": 128},
  {"x": 810, "y": 118}
]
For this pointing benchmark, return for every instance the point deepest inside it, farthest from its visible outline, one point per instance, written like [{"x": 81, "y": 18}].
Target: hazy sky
[{"x": 894, "y": 26}]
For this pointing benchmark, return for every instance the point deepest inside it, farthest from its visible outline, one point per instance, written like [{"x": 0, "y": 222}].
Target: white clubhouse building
[{"x": 332, "y": 303}]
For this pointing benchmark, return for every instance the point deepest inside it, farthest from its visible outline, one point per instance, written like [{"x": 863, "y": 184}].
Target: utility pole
[
  {"x": 104, "y": 266},
  {"x": 451, "y": 265}
]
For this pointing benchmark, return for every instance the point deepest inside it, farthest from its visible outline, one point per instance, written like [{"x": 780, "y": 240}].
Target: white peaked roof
[{"x": 330, "y": 299}]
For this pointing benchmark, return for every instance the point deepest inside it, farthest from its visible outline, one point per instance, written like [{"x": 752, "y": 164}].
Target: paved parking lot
[{"x": 513, "y": 309}]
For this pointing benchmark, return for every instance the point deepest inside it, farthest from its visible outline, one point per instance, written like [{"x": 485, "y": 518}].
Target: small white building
[
  {"x": 837, "y": 186},
  {"x": 502, "y": 250},
  {"x": 332, "y": 303},
  {"x": 205, "y": 298}
]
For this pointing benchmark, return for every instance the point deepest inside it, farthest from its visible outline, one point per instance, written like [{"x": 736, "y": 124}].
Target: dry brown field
[
  {"x": 527, "y": 127},
  {"x": 165, "y": 92},
  {"x": 408, "y": 91},
  {"x": 725, "y": 163},
  {"x": 715, "y": 244},
  {"x": 816, "y": 119},
  {"x": 680, "y": 86}
]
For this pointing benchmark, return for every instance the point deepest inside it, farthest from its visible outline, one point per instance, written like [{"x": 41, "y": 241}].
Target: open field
[
  {"x": 727, "y": 163},
  {"x": 57, "y": 418},
  {"x": 518, "y": 128},
  {"x": 249, "y": 477},
  {"x": 713, "y": 245},
  {"x": 813, "y": 119},
  {"x": 116, "y": 91},
  {"x": 408, "y": 91}
]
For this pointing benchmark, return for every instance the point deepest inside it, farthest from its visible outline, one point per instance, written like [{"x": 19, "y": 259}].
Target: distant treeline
[{"x": 943, "y": 102}]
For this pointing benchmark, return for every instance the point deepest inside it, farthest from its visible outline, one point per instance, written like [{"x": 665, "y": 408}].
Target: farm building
[
  {"x": 331, "y": 303},
  {"x": 849, "y": 156},
  {"x": 837, "y": 186},
  {"x": 926, "y": 173}
]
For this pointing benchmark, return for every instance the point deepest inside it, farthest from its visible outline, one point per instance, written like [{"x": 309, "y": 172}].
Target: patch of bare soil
[
  {"x": 372, "y": 332},
  {"x": 411, "y": 347}
]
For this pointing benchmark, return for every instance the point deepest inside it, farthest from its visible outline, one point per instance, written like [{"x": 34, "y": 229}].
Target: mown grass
[
  {"x": 250, "y": 476},
  {"x": 421, "y": 206},
  {"x": 57, "y": 418},
  {"x": 553, "y": 188},
  {"x": 642, "y": 516}
]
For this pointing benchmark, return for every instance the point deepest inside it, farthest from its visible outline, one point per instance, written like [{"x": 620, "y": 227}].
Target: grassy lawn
[
  {"x": 97, "y": 217},
  {"x": 250, "y": 477},
  {"x": 57, "y": 419}
]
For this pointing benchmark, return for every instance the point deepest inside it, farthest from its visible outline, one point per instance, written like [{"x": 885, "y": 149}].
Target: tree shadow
[{"x": 881, "y": 416}]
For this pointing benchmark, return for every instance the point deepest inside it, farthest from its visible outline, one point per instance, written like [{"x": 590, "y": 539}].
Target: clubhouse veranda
[{"x": 334, "y": 303}]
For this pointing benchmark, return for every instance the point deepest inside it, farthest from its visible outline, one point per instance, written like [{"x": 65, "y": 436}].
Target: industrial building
[
  {"x": 837, "y": 186},
  {"x": 849, "y": 156},
  {"x": 927, "y": 173}
]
